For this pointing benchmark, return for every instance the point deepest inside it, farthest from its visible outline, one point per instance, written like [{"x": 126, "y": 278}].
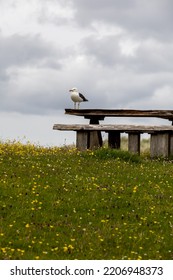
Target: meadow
[{"x": 59, "y": 203}]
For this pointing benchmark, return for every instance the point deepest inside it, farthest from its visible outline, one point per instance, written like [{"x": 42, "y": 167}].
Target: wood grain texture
[
  {"x": 112, "y": 127},
  {"x": 165, "y": 114}
]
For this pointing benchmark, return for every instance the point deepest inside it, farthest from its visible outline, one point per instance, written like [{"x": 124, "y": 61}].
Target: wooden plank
[
  {"x": 108, "y": 127},
  {"x": 159, "y": 145},
  {"x": 134, "y": 143},
  {"x": 82, "y": 140},
  {"x": 153, "y": 145},
  {"x": 165, "y": 114}
]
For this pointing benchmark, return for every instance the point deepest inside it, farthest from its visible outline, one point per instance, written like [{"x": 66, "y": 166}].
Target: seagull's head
[{"x": 73, "y": 89}]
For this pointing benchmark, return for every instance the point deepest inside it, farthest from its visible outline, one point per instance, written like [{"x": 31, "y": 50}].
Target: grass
[{"x": 58, "y": 203}]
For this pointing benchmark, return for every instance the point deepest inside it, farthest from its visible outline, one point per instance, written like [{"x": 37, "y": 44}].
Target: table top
[{"x": 102, "y": 113}]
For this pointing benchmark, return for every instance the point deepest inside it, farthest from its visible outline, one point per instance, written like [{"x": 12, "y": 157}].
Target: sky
[{"x": 118, "y": 53}]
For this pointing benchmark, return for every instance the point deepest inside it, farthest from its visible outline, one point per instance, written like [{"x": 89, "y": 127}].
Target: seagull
[{"x": 77, "y": 97}]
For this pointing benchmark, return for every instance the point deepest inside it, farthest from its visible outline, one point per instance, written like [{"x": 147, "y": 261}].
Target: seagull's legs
[
  {"x": 78, "y": 104},
  {"x": 74, "y": 105}
]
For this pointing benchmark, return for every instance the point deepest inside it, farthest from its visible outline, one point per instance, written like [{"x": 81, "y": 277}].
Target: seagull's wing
[{"x": 83, "y": 97}]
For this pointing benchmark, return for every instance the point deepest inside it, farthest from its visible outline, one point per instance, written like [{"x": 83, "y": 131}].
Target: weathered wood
[
  {"x": 159, "y": 145},
  {"x": 87, "y": 140},
  {"x": 114, "y": 139},
  {"x": 134, "y": 143},
  {"x": 109, "y": 127},
  {"x": 82, "y": 140},
  {"x": 171, "y": 144},
  {"x": 98, "y": 113},
  {"x": 94, "y": 140},
  {"x": 95, "y": 137}
]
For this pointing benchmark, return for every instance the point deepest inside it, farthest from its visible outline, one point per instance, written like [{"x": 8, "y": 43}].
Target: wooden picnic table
[
  {"x": 100, "y": 114},
  {"x": 89, "y": 136}
]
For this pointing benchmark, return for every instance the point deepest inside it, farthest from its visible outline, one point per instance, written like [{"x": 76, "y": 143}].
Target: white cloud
[
  {"x": 56, "y": 12},
  {"x": 162, "y": 97},
  {"x": 129, "y": 46}
]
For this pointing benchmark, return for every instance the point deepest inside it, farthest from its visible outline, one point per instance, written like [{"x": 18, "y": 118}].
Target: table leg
[
  {"x": 134, "y": 143},
  {"x": 160, "y": 145},
  {"x": 114, "y": 139},
  {"x": 95, "y": 137},
  {"x": 82, "y": 140}
]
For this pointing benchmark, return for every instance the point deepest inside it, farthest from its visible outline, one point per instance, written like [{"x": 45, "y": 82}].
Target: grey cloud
[
  {"x": 20, "y": 50},
  {"x": 105, "y": 50},
  {"x": 53, "y": 16},
  {"x": 34, "y": 93},
  {"x": 109, "y": 77},
  {"x": 27, "y": 64},
  {"x": 155, "y": 57},
  {"x": 150, "y": 56},
  {"x": 39, "y": 103},
  {"x": 144, "y": 18}
]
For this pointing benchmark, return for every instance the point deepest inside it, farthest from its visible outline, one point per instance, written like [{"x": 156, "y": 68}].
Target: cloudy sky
[{"x": 119, "y": 53}]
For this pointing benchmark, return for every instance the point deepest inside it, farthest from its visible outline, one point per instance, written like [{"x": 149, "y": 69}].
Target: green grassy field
[{"x": 58, "y": 203}]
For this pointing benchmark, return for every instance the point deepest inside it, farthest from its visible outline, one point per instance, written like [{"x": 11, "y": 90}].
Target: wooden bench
[{"x": 161, "y": 139}]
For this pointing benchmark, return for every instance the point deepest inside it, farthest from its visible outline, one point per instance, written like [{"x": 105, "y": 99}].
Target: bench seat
[
  {"x": 112, "y": 127},
  {"x": 89, "y": 136}
]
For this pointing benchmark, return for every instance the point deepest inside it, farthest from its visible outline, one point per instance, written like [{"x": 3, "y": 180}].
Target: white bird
[{"x": 77, "y": 97}]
